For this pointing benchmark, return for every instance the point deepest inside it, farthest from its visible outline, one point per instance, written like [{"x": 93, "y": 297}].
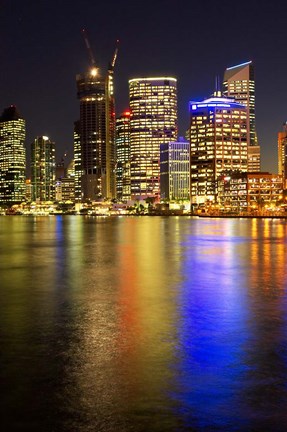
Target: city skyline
[{"x": 199, "y": 45}]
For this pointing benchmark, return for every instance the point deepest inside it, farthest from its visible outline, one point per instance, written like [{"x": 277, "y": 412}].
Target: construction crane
[
  {"x": 113, "y": 62},
  {"x": 89, "y": 49}
]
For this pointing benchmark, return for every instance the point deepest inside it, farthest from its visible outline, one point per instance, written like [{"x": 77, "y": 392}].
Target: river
[{"x": 144, "y": 324}]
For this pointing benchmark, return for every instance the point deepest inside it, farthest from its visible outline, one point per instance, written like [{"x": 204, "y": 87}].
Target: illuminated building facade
[
  {"x": 153, "y": 121},
  {"x": 43, "y": 169},
  {"x": 174, "y": 170},
  {"x": 65, "y": 189},
  {"x": 240, "y": 192},
  {"x": 282, "y": 154},
  {"x": 218, "y": 143},
  {"x": 65, "y": 182},
  {"x": 239, "y": 84},
  {"x": 12, "y": 157},
  {"x": 96, "y": 135},
  {"x": 123, "y": 180},
  {"x": 77, "y": 161}
]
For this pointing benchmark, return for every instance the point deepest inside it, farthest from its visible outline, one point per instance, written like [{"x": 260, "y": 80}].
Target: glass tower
[
  {"x": 96, "y": 134},
  {"x": 123, "y": 156},
  {"x": 175, "y": 170},
  {"x": 43, "y": 169},
  {"x": 239, "y": 84},
  {"x": 12, "y": 157},
  {"x": 153, "y": 121}
]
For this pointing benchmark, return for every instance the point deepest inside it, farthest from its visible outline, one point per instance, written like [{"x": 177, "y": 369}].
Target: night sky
[{"x": 42, "y": 50}]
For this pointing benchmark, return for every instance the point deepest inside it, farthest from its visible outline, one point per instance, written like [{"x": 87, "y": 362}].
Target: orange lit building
[
  {"x": 282, "y": 154},
  {"x": 249, "y": 191}
]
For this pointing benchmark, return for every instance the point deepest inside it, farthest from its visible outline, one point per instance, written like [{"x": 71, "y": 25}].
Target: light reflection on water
[{"x": 143, "y": 324}]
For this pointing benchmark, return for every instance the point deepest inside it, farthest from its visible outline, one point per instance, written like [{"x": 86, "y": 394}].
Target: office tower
[
  {"x": 175, "y": 170},
  {"x": 282, "y": 154},
  {"x": 218, "y": 144},
  {"x": 12, "y": 157},
  {"x": 123, "y": 156},
  {"x": 77, "y": 161},
  {"x": 96, "y": 131},
  {"x": 43, "y": 169},
  {"x": 239, "y": 84},
  {"x": 153, "y": 121}
]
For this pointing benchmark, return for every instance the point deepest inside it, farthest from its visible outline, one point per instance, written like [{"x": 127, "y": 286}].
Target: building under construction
[{"x": 95, "y": 167}]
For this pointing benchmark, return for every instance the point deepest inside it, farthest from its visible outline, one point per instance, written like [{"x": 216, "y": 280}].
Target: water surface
[{"x": 143, "y": 324}]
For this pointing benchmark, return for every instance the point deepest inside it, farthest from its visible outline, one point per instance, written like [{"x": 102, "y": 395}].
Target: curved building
[{"x": 153, "y": 121}]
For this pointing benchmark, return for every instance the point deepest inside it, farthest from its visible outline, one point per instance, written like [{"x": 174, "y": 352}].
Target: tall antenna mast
[{"x": 217, "y": 89}]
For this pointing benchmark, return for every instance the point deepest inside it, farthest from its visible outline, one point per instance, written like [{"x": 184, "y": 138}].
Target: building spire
[{"x": 217, "y": 92}]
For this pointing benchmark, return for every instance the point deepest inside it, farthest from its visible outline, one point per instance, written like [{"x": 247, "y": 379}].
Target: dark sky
[{"x": 42, "y": 50}]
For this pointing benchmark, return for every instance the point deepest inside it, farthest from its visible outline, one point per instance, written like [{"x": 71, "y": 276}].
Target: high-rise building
[
  {"x": 175, "y": 170},
  {"x": 96, "y": 135},
  {"x": 239, "y": 84},
  {"x": 218, "y": 144},
  {"x": 77, "y": 161},
  {"x": 123, "y": 156},
  {"x": 153, "y": 121},
  {"x": 43, "y": 169},
  {"x": 12, "y": 157},
  {"x": 282, "y": 154}
]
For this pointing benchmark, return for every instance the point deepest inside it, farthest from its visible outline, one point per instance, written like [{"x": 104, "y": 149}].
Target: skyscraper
[
  {"x": 175, "y": 170},
  {"x": 239, "y": 84},
  {"x": 78, "y": 162},
  {"x": 96, "y": 132},
  {"x": 43, "y": 169},
  {"x": 123, "y": 156},
  {"x": 282, "y": 154},
  {"x": 218, "y": 144},
  {"x": 12, "y": 157},
  {"x": 153, "y": 120}
]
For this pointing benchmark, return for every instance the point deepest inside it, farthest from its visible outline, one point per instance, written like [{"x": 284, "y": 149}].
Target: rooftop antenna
[{"x": 217, "y": 87}]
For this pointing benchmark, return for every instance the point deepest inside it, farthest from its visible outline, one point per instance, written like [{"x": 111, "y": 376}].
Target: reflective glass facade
[
  {"x": 239, "y": 84},
  {"x": 96, "y": 134}
]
